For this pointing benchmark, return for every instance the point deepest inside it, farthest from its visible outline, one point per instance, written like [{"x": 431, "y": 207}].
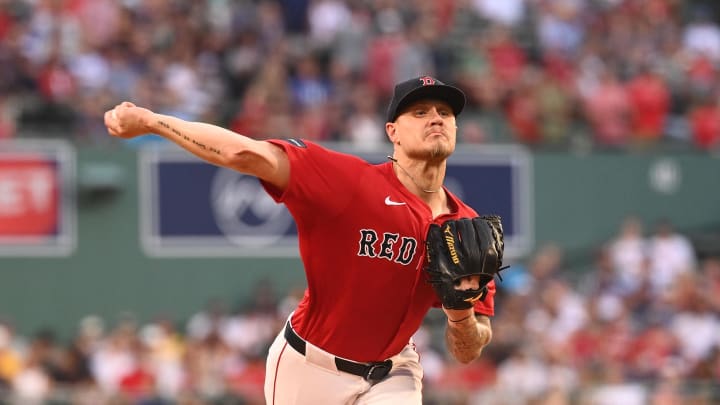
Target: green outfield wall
[{"x": 577, "y": 201}]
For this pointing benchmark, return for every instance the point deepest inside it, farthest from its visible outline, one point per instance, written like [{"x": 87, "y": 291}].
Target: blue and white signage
[{"x": 194, "y": 209}]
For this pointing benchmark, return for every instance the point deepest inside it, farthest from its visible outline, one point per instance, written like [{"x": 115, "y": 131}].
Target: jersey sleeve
[
  {"x": 487, "y": 306},
  {"x": 321, "y": 180}
]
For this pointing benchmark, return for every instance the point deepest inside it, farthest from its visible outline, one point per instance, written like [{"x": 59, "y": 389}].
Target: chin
[
  {"x": 442, "y": 148},
  {"x": 435, "y": 151},
  {"x": 440, "y": 152}
]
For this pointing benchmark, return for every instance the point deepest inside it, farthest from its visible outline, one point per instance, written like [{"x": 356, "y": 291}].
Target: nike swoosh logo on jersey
[{"x": 388, "y": 201}]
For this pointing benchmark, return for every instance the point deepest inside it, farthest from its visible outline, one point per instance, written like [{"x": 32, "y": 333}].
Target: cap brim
[{"x": 449, "y": 94}]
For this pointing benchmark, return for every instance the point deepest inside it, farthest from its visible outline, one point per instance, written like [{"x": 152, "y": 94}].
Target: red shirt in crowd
[
  {"x": 705, "y": 126},
  {"x": 649, "y": 105}
]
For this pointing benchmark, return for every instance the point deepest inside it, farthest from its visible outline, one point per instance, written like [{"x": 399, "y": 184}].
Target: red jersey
[{"x": 361, "y": 235}]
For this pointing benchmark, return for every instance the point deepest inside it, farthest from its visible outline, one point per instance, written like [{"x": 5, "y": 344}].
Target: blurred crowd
[
  {"x": 606, "y": 73},
  {"x": 641, "y": 327},
  {"x": 634, "y": 329}
]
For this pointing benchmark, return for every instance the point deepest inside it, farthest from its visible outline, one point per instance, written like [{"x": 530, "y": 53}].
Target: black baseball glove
[{"x": 460, "y": 248}]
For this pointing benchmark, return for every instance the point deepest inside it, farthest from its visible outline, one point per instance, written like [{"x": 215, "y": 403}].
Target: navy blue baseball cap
[{"x": 421, "y": 88}]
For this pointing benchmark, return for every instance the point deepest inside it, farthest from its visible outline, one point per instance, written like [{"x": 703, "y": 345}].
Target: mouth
[{"x": 436, "y": 133}]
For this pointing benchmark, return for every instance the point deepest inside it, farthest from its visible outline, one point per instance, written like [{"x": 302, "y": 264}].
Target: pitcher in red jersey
[{"x": 361, "y": 230}]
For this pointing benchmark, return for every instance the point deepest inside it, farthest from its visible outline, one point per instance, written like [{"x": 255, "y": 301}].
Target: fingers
[
  {"x": 109, "y": 120},
  {"x": 112, "y": 119},
  {"x": 468, "y": 283}
]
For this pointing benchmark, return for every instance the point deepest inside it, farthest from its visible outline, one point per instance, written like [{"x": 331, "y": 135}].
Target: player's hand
[
  {"x": 465, "y": 283},
  {"x": 468, "y": 283},
  {"x": 127, "y": 120}
]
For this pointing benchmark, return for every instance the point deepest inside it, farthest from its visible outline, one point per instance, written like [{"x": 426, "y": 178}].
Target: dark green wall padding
[{"x": 579, "y": 201}]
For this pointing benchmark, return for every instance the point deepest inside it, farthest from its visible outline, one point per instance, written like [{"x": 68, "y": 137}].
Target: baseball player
[{"x": 363, "y": 231}]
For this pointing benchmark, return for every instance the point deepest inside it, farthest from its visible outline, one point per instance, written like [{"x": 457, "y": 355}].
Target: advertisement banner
[
  {"x": 37, "y": 205},
  {"x": 191, "y": 208}
]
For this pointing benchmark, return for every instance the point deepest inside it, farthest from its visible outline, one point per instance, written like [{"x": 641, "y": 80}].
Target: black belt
[{"x": 372, "y": 372}]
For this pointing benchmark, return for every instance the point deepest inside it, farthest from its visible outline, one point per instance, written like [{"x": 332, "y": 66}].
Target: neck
[{"x": 427, "y": 182}]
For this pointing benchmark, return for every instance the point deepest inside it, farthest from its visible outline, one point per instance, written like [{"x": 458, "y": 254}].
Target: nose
[{"x": 435, "y": 117}]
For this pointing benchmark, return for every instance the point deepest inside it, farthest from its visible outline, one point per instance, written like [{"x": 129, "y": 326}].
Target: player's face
[{"x": 426, "y": 130}]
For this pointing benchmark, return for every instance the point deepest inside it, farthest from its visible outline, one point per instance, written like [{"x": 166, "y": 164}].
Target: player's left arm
[
  {"x": 467, "y": 334},
  {"x": 463, "y": 258}
]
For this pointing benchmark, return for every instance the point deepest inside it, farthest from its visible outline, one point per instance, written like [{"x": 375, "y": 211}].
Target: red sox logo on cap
[{"x": 427, "y": 81}]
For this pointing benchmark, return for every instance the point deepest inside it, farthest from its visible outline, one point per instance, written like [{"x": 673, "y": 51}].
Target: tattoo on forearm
[
  {"x": 463, "y": 343},
  {"x": 188, "y": 139},
  {"x": 466, "y": 342}
]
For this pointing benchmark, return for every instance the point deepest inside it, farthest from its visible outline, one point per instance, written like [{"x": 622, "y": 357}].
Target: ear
[{"x": 391, "y": 131}]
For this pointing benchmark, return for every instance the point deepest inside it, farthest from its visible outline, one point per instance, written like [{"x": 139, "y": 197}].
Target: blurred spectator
[
  {"x": 509, "y": 12},
  {"x": 507, "y": 60},
  {"x": 252, "y": 116},
  {"x": 545, "y": 267},
  {"x": 653, "y": 350},
  {"x": 705, "y": 123},
  {"x": 308, "y": 85},
  {"x": 710, "y": 283},
  {"x": 138, "y": 382},
  {"x": 90, "y": 70},
  {"x": 416, "y": 54},
  {"x": 649, "y": 106},
  {"x": 295, "y": 15},
  {"x": 671, "y": 254},
  {"x": 350, "y": 47},
  {"x": 629, "y": 255},
  {"x": 383, "y": 50},
  {"x": 523, "y": 115},
  {"x": 560, "y": 25},
  {"x": 559, "y": 314},
  {"x": 161, "y": 359},
  {"x": 364, "y": 126},
  {"x": 32, "y": 384},
  {"x": 603, "y": 288},
  {"x": 608, "y": 110},
  {"x": 695, "y": 326},
  {"x": 10, "y": 357},
  {"x": 207, "y": 321},
  {"x": 326, "y": 19},
  {"x": 114, "y": 358},
  {"x": 8, "y": 120},
  {"x": 249, "y": 331},
  {"x": 555, "y": 108},
  {"x": 208, "y": 363},
  {"x": 701, "y": 35},
  {"x": 523, "y": 375}
]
